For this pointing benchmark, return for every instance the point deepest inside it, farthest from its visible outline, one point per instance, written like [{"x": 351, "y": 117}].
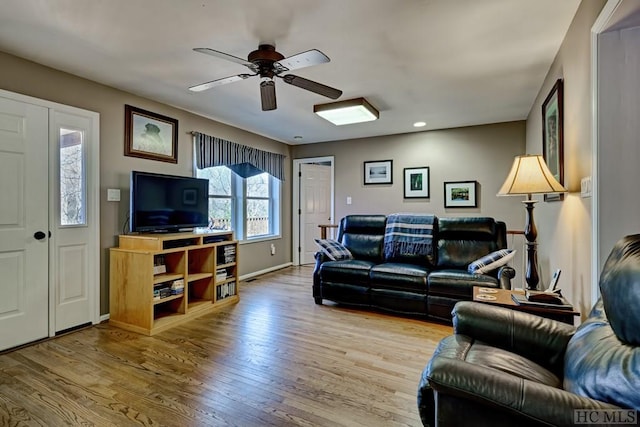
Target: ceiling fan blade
[
  {"x": 228, "y": 57},
  {"x": 301, "y": 60},
  {"x": 268, "y": 95},
  {"x": 218, "y": 82},
  {"x": 312, "y": 86}
]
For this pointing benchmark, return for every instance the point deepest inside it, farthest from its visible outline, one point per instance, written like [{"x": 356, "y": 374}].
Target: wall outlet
[
  {"x": 273, "y": 249},
  {"x": 585, "y": 187},
  {"x": 348, "y": 200}
]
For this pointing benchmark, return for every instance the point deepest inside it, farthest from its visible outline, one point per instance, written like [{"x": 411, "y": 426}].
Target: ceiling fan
[{"x": 267, "y": 63}]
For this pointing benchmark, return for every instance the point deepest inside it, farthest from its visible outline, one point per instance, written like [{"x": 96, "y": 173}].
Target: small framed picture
[
  {"x": 416, "y": 183},
  {"x": 149, "y": 135},
  {"x": 460, "y": 194},
  {"x": 378, "y": 172},
  {"x": 552, "y": 136}
]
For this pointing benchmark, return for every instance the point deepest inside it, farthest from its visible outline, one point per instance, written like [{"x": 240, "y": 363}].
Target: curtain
[{"x": 245, "y": 161}]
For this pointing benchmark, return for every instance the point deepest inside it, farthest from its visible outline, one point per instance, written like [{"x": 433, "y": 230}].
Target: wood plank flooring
[{"x": 274, "y": 359}]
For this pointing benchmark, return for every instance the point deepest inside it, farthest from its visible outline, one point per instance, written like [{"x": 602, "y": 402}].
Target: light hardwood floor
[{"x": 274, "y": 359}]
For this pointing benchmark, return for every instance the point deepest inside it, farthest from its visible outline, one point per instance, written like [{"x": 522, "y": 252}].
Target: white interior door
[
  {"x": 24, "y": 230},
  {"x": 315, "y": 206},
  {"x": 74, "y": 212}
]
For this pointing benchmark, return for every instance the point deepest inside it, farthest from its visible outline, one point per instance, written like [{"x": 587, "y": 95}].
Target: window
[
  {"x": 73, "y": 198},
  {"x": 249, "y": 206}
]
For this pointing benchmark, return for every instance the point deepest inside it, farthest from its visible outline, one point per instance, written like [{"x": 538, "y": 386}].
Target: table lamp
[{"x": 530, "y": 175}]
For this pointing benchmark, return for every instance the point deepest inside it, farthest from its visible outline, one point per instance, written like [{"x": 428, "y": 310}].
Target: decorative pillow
[
  {"x": 492, "y": 261},
  {"x": 333, "y": 249}
]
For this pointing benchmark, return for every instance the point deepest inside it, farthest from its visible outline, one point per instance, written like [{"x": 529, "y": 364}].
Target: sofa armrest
[
  {"x": 320, "y": 259},
  {"x": 505, "y": 274},
  {"x": 539, "y": 339},
  {"x": 506, "y": 392}
]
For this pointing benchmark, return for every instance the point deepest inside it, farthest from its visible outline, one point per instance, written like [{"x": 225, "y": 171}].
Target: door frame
[
  {"x": 93, "y": 175},
  {"x": 295, "y": 213}
]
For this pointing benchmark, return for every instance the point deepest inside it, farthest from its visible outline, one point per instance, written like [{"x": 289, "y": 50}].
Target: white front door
[
  {"x": 24, "y": 229},
  {"x": 315, "y": 206},
  {"x": 74, "y": 205}
]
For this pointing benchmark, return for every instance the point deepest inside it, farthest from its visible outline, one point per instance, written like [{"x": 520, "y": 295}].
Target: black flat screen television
[{"x": 167, "y": 203}]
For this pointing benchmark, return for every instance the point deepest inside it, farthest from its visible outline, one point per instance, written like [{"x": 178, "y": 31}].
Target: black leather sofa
[
  {"x": 409, "y": 284},
  {"x": 503, "y": 367}
]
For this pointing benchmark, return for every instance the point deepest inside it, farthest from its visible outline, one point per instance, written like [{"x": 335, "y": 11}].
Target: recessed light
[{"x": 419, "y": 124}]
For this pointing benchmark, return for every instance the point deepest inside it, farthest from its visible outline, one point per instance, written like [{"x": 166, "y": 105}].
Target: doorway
[
  {"x": 313, "y": 204},
  {"x": 49, "y": 218}
]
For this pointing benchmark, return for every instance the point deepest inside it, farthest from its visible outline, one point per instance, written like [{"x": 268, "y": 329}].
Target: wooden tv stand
[{"x": 206, "y": 263}]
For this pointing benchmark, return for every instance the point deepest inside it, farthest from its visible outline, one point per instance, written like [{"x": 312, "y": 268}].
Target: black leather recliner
[{"x": 504, "y": 367}]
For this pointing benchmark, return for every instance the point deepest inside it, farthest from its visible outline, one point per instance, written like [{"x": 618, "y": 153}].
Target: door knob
[{"x": 39, "y": 235}]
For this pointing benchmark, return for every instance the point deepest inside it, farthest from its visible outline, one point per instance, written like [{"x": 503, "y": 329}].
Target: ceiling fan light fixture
[
  {"x": 268, "y": 94},
  {"x": 347, "y": 112}
]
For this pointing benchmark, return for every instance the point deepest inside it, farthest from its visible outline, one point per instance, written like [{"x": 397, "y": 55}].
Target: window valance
[{"x": 245, "y": 161}]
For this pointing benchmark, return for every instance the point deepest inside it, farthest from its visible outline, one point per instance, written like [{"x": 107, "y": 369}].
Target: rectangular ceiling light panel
[{"x": 347, "y": 112}]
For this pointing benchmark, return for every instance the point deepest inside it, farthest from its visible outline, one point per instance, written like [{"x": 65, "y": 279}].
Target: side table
[{"x": 502, "y": 297}]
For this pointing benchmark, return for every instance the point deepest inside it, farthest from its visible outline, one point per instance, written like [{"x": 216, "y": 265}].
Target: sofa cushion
[
  {"x": 458, "y": 283},
  {"x": 491, "y": 261},
  {"x": 334, "y": 250},
  {"x": 463, "y": 240},
  {"x": 392, "y": 275},
  {"x": 350, "y": 271},
  {"x": 363, "y": 236}
]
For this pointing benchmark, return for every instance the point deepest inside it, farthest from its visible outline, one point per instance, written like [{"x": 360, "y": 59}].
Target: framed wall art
[
  {"x": 378, "y": 172},
  {"x": 416, "y": 183},
  {"x": 149, "y": 135},
  {"x": 460, "y": 194},
  {"x": 552, "y": 136}
]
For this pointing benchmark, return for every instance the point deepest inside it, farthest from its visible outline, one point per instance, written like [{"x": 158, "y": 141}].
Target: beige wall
[
  {"x": 564, "y": 228},
  {"x": 31, "y": 79},
  {"x": 481, "y": 153}
]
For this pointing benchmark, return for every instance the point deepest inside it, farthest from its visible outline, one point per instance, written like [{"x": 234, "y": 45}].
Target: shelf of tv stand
[
  {"x": 199, "y": 276},
  {"x": 189, "y": 256},
  {"x": 164, "y": 277},
  {"x": 167, "y": 299}
]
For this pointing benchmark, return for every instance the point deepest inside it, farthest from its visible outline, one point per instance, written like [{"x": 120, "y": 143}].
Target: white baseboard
[{"x": 266, "y": 270}]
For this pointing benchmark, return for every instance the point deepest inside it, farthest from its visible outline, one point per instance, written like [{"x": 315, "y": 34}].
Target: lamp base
[{"x": 531, "y": 272}]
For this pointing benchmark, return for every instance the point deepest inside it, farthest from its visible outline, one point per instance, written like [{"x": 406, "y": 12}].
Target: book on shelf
[
  {"x": 225, "y": 290},
  {"x": 161, "y": 290},
  {"x": 159, "y": 265},
  {"x": 177, "y": 287}
]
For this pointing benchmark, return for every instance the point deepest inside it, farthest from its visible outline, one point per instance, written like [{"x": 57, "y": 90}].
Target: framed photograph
[
  {"x": 378, "y": 172},
  {"x": 416, "y": 183},
  {"x": 552, "y": 136},
  {"x": 149, "y": 135},
  {"x": 460, "y": 194}
]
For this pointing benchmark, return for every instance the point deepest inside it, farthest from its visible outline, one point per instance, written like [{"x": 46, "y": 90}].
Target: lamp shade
[{"x": 530, "y": 175}]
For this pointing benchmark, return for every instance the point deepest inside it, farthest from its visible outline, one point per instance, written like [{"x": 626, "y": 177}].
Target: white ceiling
[{"x": 449, "y": 63}]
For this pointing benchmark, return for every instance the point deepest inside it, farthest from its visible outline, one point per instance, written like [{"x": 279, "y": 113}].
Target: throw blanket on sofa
[{"x": 408, "y": 234}]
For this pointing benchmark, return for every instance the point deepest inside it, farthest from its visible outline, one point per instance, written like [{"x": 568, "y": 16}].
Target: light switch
[
  {"x": 113, "y": 195},
  {"x": 348, "y": 200}
]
